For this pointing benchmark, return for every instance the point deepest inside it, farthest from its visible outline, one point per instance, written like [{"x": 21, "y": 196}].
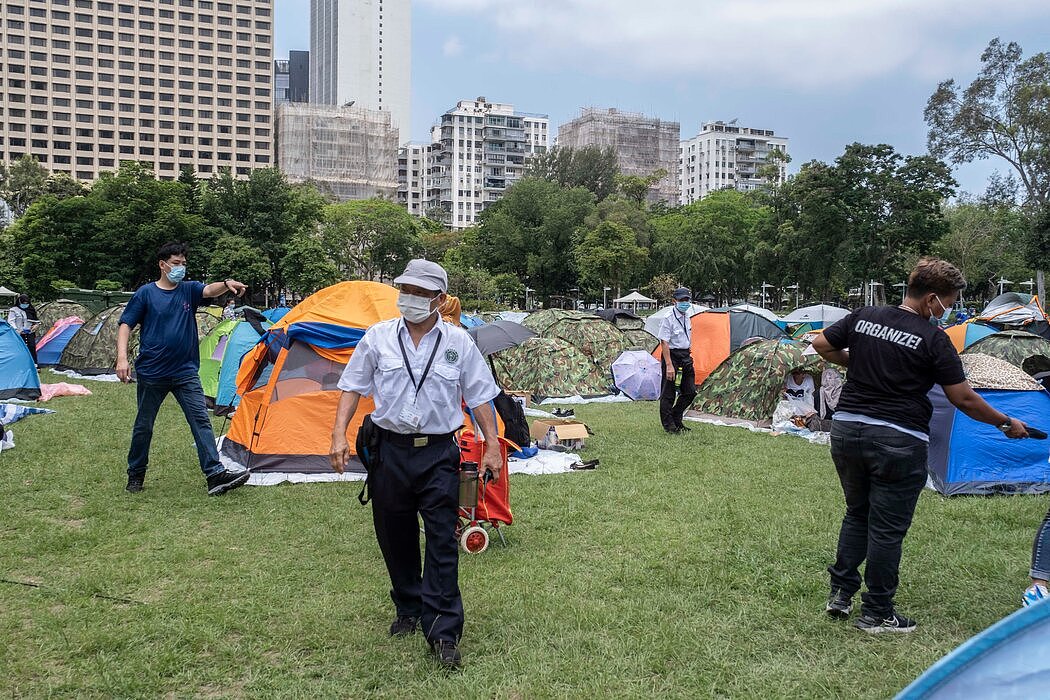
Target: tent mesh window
[{"x": 305, "y": 371}]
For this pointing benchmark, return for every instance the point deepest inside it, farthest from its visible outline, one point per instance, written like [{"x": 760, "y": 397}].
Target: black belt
[{"x": 413, "y": 439}]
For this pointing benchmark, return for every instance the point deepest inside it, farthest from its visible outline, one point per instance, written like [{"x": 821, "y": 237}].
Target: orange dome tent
[{"x": 288, "y": 382}]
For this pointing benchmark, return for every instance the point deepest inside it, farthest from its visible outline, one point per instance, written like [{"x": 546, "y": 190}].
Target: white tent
[
  {"x": 652, "y": 324},
  {"x": 634, "y": 299},
  {"x": 820, "y": 313},
  {"x": 5, "y": 292},
  {"x": 764, "y": 313},
  {"x": 515, "y": 316}
]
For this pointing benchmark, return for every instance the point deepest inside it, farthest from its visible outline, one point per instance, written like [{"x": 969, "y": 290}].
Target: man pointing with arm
[
  {"x": 168, "y": 363},
  {"x": 419, "y": 370}
]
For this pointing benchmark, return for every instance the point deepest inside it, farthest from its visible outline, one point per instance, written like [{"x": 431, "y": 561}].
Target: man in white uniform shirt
[
  {"x": 675, "y": 343},
  {"x": 419, "y": 370}
]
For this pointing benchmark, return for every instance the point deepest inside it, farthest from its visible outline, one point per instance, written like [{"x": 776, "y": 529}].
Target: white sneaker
[{"x": 1033, "y": 594}]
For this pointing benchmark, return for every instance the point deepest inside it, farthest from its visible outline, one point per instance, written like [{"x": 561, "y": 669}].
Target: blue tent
[
  {"x": 243, "y": 338},
  {"x": 1010, "y": 659},
  {"x": 276, "y": 314},
  {"x": 967, "y": 457},
  {"x": 468, "y": 321},
  {"x": 50, "y": 352},
  {"x": 18, "y": 377}
]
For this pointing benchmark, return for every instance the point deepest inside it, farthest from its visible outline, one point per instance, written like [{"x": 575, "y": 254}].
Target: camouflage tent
[
  {"x": 640, "y": 339},
  {"x": 1028, "y": 351},
  {"x": 595, "y": 337},
  {"x": 93, "y": 350},
  {"x": 206, "y": 322},
  {"x": 63, "y": 308},
  {"x": 547, "y": 367},
  {"x": 750, "y": 382}
]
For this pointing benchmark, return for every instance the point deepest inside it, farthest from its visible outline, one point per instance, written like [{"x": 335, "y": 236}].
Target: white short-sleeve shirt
[
  {"x": 457, "y": 374},
  {"x": 676, "y": 330}
]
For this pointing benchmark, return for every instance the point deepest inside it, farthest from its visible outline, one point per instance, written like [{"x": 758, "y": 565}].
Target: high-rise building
[
  {"x": 291, "y": 78},
  {"x": 348, "y": 152},
  {"x": 727, "y": 156},
  {"x": 480, "y": 149},
  {"x": 90, "y": 83},
  {"x": 643, "y": 145},
  {"x": 361, "y": 52},
  {"x": 413, "y": 177}
]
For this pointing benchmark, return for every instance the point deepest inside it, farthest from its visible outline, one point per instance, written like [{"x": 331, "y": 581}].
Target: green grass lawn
[{"x": 684, "y": 566}]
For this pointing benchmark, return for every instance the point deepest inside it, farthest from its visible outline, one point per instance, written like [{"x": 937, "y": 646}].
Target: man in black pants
[
  {"x": 675, "y": 341},
  {"x": 880, "y": 432},
  {"x": 420, "y": 370}
]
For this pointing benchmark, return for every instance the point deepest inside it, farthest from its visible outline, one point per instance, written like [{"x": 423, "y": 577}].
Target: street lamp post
[
  {"x": 795, "y": 287},
  {"x": 1029, "y": 283},
  {"x": 577, "y": 290},
  {"x": 1002, "y": 281},
  {"x": 764, "y": 288},
  {"x": 904, "y": 289},
  {"x": 873, "y": 296},
  {"x": 605, "y": 293},
  {"x": 527, "y": 290}
]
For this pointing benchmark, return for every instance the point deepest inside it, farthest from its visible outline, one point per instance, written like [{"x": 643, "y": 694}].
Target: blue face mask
[
  {"x": 683, "y": 306},
  {"x": 23, "y": 306},
  {"x": 176, "y": 274},
  {"x": 943, "y": 318}
]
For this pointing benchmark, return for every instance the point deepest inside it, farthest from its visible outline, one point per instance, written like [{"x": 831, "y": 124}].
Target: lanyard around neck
[
  {"x": 408, "y": 365},
  {"x": 681, "y": 321}
]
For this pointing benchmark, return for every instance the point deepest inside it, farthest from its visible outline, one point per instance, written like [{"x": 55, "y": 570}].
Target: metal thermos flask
[{"x": 468, "y": 485}]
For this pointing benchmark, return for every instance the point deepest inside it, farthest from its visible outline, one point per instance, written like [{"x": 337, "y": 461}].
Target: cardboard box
[
  {"x": 522, "y": 397},
  {"x": 572, "y": 434}
]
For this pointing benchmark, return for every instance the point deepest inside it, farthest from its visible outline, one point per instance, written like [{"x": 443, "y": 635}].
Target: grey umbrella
[{"x": 499, "y": 335}]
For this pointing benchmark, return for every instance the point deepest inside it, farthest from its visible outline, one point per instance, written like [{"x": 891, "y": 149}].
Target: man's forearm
[
  {"x": 485, "y": 417},
  {"x": 123, "y": 333},
  {"x": 348, "y": 401},
  {"x": 215, "y": 289}
]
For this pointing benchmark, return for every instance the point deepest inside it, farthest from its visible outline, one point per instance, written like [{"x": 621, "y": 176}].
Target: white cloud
[
  {"x": 452, "y": 46},
  {"x": 799, "y": 43}
]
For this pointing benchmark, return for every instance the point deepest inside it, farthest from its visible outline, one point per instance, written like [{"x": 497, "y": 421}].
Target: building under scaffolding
[
  {"x": 642, "y": 144},
  {"x": 348, "y": 152}
]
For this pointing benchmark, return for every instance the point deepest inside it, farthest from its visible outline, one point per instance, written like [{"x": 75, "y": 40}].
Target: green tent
[
  {"x": 801, "y": 329},
  {"x": 62, "y": 308},
  {"x": 1026, "y": 350},
  {"x": 546, "y": 367},
  {"x": 93, "y": 349},
  {"x": 595, "y": 337},
  {"x": 640, "y": 339},
  {"x": 749, "y": 383},
  {"x": 212, "y": 347}
]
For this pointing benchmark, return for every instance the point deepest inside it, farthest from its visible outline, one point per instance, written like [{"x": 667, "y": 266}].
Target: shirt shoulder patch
[{"x": 451, "y": 356}]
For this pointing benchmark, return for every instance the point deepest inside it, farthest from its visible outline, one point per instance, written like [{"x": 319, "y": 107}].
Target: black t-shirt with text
[{"x": 895, "y": 358}]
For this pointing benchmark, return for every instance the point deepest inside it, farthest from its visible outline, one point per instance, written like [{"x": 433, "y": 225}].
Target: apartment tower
[
  {"x": 480, "y": 148},
  {"x": 87, "y": 84},
  {"x": 727, "y": 156},
  {"x": 643, "y": 145},
  {"x": 361, "y": 52}
]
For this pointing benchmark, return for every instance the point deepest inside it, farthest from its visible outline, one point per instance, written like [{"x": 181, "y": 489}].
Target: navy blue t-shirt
[{"x": 168, "y": 346}]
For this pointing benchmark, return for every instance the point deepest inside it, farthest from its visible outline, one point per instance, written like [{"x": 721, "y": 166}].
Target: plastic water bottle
[{"x": 552, "y": 437}]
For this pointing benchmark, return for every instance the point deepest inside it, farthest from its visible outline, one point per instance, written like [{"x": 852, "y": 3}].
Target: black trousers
[
  {"x": 423, "y": 480},
  {"x": 30, "y": 340},
  {"x": 671, "y": 410},
  {"x": 882, "y": 472}
]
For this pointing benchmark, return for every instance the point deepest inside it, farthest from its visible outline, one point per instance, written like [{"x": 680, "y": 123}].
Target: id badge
[{"x": 410, "y": 416}]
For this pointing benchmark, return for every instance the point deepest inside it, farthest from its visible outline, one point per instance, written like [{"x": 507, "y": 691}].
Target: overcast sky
[{"x": 824, "y": 73}]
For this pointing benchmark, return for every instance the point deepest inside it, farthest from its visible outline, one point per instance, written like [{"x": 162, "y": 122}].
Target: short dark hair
[
  {"x": 23, "y": 299},
  {"x": 169, "y": 249},
  {"x": 934, "y": 275}
]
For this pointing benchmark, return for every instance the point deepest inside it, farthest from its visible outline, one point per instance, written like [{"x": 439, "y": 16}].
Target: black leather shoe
[
  {"x": 404, "y": 625},
  {"x": 447, "y": 654},
  {"x": 672, "y": 430},
  {"x": 134, "y": 484},
  {"x": 682, "y": 427}
]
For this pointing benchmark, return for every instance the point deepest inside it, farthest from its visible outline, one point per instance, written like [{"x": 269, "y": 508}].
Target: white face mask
[{"x": 413, "y": 308}]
